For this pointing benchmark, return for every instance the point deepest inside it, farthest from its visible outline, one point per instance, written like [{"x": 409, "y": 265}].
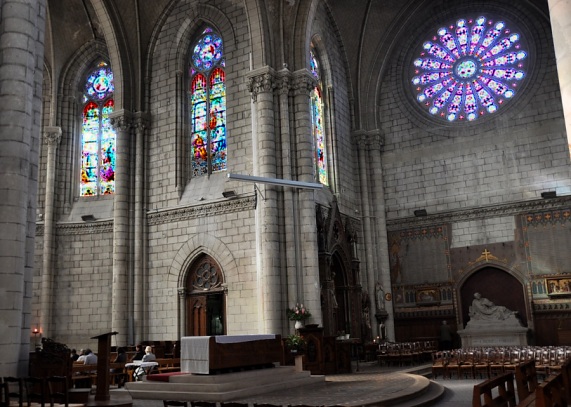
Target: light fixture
[
  {"x": 420, "y": 212},
  {"x": 276, "y": 181},
  {"x": 88, "y": 218},
  {"x": 549, "y": 194},
  {"x": 36, "y": 331},
  {"x": 229, "y": 194}
]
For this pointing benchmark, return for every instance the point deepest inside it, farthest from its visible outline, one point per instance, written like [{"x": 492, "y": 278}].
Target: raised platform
[{"x": 222, "y": 387}]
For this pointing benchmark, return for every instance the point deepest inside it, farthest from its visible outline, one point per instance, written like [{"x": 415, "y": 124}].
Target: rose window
[{"x": 469, "y": 70}]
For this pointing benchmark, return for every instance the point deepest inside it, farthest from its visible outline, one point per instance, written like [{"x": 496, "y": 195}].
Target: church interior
[{"x": 182, "y": 168}]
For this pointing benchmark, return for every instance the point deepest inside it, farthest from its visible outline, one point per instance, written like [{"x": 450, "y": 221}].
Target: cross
[{"x": 486, "y": 254}]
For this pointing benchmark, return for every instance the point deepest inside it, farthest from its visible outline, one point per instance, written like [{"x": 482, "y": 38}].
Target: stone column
[
  {"x": 122, "y": 122},
  {"x": 287, "y": 163},
  {"x": 22, "y": 25},
  {"x": 381, "y": 254},
  {"x": 261, "y": 84},
  {"x": 52, "y": 138},
  {"x": 181, "y": 312},
  {"x": 308, "y": 266},
  {"x": 366, "y": 218},
  {"x": 139, "y": 282},
  {"x": 560, "y": 15}
]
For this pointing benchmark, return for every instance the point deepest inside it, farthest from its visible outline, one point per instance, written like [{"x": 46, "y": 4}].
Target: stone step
[{"x": 223, "y": 387}]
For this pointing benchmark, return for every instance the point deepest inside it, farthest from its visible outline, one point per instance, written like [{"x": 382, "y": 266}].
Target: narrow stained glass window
[
  {"x": 317, "y": 127},
  {"x": 208, "y": 105},
  {"x": 469, "y": 69},
  {"x": 97, "y": 134}
]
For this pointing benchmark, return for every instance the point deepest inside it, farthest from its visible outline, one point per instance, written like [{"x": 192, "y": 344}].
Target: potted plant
[
  {"x": 298, "y": 314},
  {"x": 295, "y": 343}
]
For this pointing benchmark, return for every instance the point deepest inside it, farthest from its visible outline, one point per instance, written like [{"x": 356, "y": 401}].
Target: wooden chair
[
  {"x": 481, "y": 364},
  {"x": 14, "y": 390},
  {"x": 496, "y": 366},
  {"x": 3, "y": 393},
  {"x": 541, "y": 357},
  {"x": 466, "y": 366},
  {"x": 58, "y": 390},
  {"x": 566, "y": 373},
  {"x": 175, "y": 403},
  {"x": 525, "y": 379},
  {"x": 35, "y": 390},
  {"x": 438, "y": 364},
  {"x": 453, "y": 364},
  {"x": 550, "y": 392},
  {"x": 495, "y": 392}
]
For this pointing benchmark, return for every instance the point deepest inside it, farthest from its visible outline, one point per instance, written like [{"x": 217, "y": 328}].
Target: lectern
[{"x": 102, "y": 396}]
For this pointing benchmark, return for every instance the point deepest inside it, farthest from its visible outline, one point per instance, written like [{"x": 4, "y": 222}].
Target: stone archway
[{"x": 497, "y": 285}]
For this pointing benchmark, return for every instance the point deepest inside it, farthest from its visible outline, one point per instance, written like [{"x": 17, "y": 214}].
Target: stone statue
[
  {"x": 484, "y": 309},
  {"x": 380, "y": 296}
]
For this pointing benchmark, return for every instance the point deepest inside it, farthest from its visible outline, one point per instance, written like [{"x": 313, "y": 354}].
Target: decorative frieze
[
  {"x": 84, "y": 228},
  {"x": 484, "y": 212},
  {"x": 207, "y": 210}
]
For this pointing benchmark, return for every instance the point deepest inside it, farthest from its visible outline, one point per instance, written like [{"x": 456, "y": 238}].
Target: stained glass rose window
[{"x": 469, "y": 69}]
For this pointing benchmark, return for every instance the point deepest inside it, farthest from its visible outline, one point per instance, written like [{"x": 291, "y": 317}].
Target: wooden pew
[
  {"x": 496, "y": 392},
  {"x": 525, "y": 380},
  {"x": 82, "y": 374},
  {"x": 551, "y": 392},
  {"x": 167, "y": 365}
]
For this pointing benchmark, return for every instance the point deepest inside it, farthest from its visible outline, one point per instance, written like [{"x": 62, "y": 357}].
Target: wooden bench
[
  {"x": 525, "y": 379},
  {"x": 82, "y": 374},
  {"x": 496, "y": 392},
  {"x": 168, "y": 365},
  {"x": 551, "y": 392}
]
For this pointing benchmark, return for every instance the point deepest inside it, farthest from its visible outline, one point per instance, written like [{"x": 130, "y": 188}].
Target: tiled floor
[{"x": 355, "y": 389}]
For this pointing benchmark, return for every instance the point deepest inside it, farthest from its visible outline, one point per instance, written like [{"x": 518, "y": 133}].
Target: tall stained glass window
[
  {"x": 317, "y": 126},
  {"x": 97, "y": 134},
  {"x": 469, "y": 69},
  {"x": 208, "y": 104}
]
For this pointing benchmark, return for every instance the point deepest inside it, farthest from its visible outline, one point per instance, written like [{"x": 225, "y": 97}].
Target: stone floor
[{"x": 370, "y": 385}]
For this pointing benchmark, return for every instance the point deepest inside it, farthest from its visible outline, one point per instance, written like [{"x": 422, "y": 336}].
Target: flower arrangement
[
  {"x": 298, "y": 313},
  {"x": 295, "y": 343}
]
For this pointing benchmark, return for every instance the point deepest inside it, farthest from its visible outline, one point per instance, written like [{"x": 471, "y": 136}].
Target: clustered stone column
[
  {"x": 261, "y": 84},
  {"x": 308, "y": 269},
  {"x": 22, "y": 25},
  {"x": 375, "y": 145},
  {"x": 52, "y": 138},
  {"x": 122, "y": 122}
]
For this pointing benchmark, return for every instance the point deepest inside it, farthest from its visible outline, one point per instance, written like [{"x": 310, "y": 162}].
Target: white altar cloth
[{"x": 194, "y": 350}]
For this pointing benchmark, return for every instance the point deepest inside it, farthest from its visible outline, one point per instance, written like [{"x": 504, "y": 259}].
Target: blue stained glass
[
  {"x": 469, "y": 69},
  {"x": 318, "y": 129}
]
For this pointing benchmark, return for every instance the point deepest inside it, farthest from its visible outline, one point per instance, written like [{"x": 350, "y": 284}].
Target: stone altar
[{"x": 492, "y": 325}]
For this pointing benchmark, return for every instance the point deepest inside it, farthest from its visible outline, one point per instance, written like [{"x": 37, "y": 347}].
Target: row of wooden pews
[{"x": 554, "y": 391}]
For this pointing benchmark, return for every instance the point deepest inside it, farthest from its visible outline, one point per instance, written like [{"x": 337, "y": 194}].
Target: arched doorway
[
  {"x": 205, "y": 300},
  {"x": 341, "y": 308},
  {"x": 498, "y": 286}
]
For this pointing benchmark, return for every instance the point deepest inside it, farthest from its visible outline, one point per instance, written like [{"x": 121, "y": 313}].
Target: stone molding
[
  {"x": 121, "y": 120},
  {"x": 207, "y": 210},
  {"x": 492, "y": 211},
  {"x": 84, "y": 228}
]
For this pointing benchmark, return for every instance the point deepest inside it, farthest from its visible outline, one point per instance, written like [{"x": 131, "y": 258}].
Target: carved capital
[
  {"x": 303, "y": 82},
  {"x": 283, "y": 83},
  {"x": 141, "y": 121},
  {"x": 362, "y": 139},
  {"x": 121, "y": 120},
  {"x": 261, "y": 81},
  {"x": 52, "y": 135},
  {"x": 182, "y": 293},
  {"x": 376, "y": 140}
]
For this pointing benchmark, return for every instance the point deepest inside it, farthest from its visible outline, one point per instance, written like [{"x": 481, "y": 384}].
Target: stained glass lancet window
[
  {"x": 317, "y": 127},
  {"x": 469, "y": 69},
  {"x": 208, "y": 104},
  {"x": 97, "y": 134}
]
